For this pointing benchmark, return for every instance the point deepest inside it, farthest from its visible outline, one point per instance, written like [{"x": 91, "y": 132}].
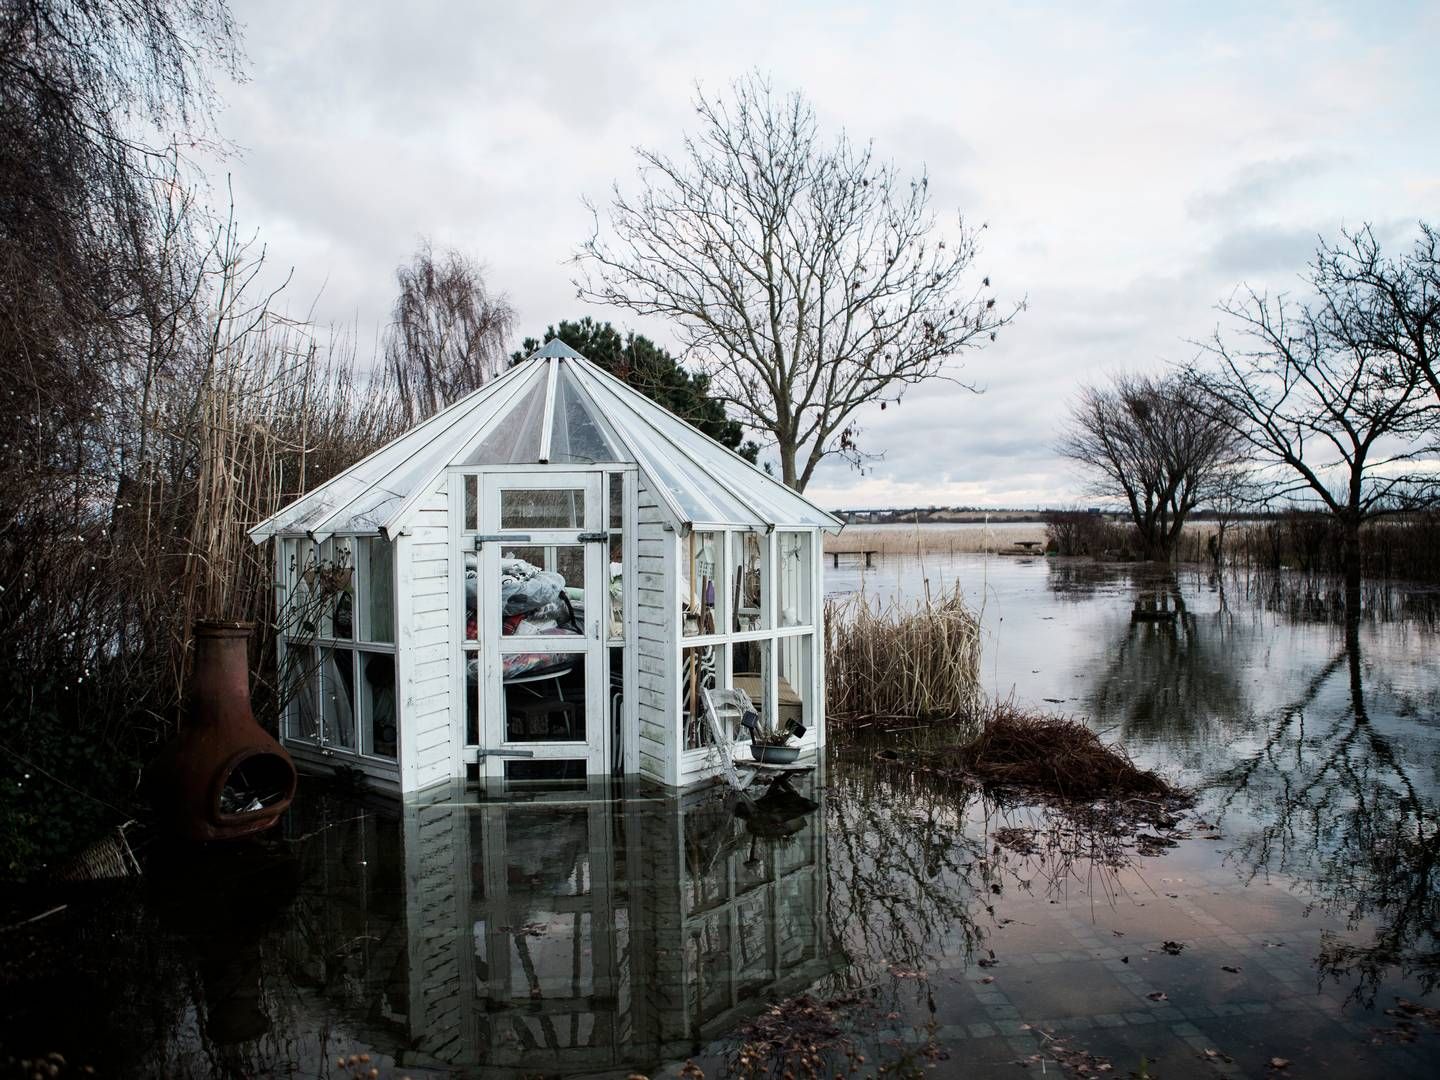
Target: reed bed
[
  {"x": 1403, "y": 547},
  {"x": 935, "y": 539},
  {"x": 895, "y": 664}
]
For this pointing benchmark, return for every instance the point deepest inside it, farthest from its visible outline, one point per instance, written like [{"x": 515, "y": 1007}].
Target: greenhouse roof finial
[{"x": 556, "y": 347}]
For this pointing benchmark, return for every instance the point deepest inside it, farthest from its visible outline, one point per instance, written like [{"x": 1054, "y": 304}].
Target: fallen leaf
[
  {"x": 1279, "y": 1063},
  {"x": 1232, "y": 970},
  {"x": 1158, "y": 995},
  {"x": 988, "y": 979}
]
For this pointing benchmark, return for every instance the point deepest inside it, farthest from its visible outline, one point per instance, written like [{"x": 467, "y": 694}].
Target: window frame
[
  {"x": 358, "y": 644},
  {"x": 692, "y": 755}
]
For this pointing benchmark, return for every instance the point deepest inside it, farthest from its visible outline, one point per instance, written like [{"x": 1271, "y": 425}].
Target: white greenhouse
[{"x": 536, "y": 584}]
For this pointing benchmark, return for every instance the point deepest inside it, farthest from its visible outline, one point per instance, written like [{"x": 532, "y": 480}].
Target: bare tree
[
  {"x": 1332, "y": 417},
  {"x": 447, "y": 333},
  {"x": 1388, "y": 305},
  {"x": 1143, "y": 441},
  {"x": 806, "y": 280},
  {"x": 1234, "y": 490}
]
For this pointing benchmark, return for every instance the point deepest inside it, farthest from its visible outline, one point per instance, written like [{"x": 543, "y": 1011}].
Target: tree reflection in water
[
  {"x": 920, "y": 865},
  {"x": 1318, "y": 791},
  {"x": 1173, "y": 673},
  {"x": 1339, "y": 808}
]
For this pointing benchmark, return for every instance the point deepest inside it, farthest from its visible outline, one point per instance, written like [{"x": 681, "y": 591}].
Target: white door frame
[{"x": 495, "y": 748}]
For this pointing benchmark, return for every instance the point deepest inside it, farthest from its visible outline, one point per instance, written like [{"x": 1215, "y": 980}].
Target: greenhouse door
[{"x": 543, "y": 601}]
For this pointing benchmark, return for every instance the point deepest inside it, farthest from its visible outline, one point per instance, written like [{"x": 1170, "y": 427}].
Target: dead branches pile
[{"x": 1037, "y": 752}]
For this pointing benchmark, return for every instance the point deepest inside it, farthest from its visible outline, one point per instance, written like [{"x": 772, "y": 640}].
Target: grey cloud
[
  {"x": 1260, "y": 184},
  {"x": 1263, "y": 250}
]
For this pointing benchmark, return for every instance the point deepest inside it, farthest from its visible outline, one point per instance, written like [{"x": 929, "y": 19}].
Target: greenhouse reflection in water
[{"x": 573, "y": 935}]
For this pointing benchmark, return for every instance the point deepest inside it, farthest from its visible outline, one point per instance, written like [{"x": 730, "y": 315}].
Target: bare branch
[{"x": 805, "y": 280}]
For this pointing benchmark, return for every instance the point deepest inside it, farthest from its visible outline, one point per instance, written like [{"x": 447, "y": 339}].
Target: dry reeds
[
  {"x": 935, "y": 539},
  {"x": 894, "y": 663},
  {"x": 1404, "y": 547}
]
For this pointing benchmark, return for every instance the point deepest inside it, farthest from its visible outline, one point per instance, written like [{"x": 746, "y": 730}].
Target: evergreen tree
[{"x": 645, "y": 366}]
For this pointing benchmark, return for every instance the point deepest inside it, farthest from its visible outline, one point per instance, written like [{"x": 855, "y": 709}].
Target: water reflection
[
  {"x": 1172, "y": 672},
  {"x": 1320, "y": 763},
  {"x": 596, "y": 932},
  {"x": 585, "y": 935},
  {"x": 1341, "y": 808}
]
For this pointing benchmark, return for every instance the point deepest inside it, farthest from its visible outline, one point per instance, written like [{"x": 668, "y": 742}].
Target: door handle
[{"x": 481, "y": 539}]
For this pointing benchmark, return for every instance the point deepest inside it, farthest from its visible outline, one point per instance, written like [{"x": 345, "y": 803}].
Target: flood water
[{"x": 600, "y": 932}]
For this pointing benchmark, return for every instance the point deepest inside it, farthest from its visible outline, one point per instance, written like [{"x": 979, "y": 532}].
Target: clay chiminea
[{"x": 223, "y": 776}]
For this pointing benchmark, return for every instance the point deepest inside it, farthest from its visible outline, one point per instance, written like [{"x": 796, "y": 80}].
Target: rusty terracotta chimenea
[{"x": 223, "y": 777}]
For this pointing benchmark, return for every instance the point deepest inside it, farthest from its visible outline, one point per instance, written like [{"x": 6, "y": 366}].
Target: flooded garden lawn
[{"x": 879, "y": 918}]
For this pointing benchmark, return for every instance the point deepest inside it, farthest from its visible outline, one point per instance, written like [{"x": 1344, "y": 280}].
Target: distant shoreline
[{"x": 1000, "y": 517}]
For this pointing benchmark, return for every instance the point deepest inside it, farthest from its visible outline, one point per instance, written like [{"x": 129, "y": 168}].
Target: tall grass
[
  {"x": 1405, "y": 547},
  {"x": 889, "y": 664}
]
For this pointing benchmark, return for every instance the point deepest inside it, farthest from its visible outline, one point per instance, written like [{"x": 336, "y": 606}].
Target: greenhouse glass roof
[{"x": 554, "y": 407}]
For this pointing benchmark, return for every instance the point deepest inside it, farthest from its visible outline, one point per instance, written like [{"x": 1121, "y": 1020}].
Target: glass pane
[
  {"x": 515, "y": 439},
  {"x": 698, "y": 669},
  {"x": 700, "y": 570},
  {"x": 617, "y": 500},
  {"x": 616, "y": 575},
  {"x": 305, "y": 710},
  {"x": 793, "y": 698},
  {"x": 542, "y": 508},
  {"x": 379, "y": 589},
  {"x": 795, "y": 578},
  {"x": 749, "y": 671},
  {"x": 570, "y": 564},
  {"x": 377, "y": 689},
  {"x": 544, "y": 697},
  {"x": 472, "y": 699},
  {"x": 337, "y": 692},
  {"x": 472, "y": 576},
  {"x": 542, "y": 589},
  {"x": 336, "y": 585},
  {"x": 615, "y": 702},
  {"x": 300, "y": 619},
  {"x": 472, "y": 503},
  {"x": 576, "y": 433},
  {"x": 747, "y": 581}
]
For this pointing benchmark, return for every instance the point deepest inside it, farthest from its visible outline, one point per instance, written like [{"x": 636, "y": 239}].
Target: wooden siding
[
  {"x": 654, "y": 633},
  {"x": 427, "y": 740}
]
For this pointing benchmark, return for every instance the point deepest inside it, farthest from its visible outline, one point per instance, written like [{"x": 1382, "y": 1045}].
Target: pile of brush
[{"x": 1040, "y": 752}]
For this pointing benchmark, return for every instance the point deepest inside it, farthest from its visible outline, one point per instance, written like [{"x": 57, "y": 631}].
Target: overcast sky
[{"x": 1131, "y": 167}]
